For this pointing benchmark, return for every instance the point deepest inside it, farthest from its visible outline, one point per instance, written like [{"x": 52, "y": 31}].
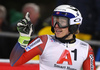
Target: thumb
[{"x": 27, "y": 16}]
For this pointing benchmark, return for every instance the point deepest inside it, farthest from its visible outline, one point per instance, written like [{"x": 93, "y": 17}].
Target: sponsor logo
[
  {"x": 77, "y": 14},
  {"x": 69, "y": 68},
  {"x": 28, "y": 48},
  {"x": 60, "y": 9},
  {"x": 64, "y": 67},
  {"x": 91, "y": 62},
  {"x": 52, "y": 40},
  {"x": 57, "y": 12},
  {"x": 83, "y": 44},
  {"x": 34, "y": 44},
  {"x": 77, "y": 20}
]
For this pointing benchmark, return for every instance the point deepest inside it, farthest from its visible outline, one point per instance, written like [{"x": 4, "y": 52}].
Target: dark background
[
  {"x": 46, "y": 6},
  {"x": 7, "y": 43}
]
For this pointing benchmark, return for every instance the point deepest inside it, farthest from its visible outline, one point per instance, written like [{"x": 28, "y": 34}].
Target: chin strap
[{"x": 66, "y": 41}]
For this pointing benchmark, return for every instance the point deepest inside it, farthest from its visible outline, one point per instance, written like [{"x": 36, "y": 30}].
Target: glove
[{"x": 25, "y": 29}]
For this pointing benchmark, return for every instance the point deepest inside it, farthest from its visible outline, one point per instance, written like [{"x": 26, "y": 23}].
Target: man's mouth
[{"x": 58, "y": 31}]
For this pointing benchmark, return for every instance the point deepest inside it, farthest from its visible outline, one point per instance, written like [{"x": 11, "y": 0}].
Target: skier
[{"x": 61, "y": 51}]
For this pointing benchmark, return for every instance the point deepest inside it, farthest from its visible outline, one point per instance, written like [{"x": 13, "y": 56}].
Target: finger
[
  {"x": 27, "y": 16},
  {"x": 20, "y": 24}
]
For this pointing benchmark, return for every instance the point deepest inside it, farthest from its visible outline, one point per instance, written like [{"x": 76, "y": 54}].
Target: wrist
[{"x": 24, "y": 40}]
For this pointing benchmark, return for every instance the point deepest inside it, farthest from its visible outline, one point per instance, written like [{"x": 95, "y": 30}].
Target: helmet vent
[{"x": 75, "y": 9}]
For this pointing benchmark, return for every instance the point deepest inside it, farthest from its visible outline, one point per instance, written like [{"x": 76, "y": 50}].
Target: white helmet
[{"x": 70, "y": 12}]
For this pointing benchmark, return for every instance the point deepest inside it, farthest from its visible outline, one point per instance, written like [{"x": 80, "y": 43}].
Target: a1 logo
[{"x": 65, "y": 54}]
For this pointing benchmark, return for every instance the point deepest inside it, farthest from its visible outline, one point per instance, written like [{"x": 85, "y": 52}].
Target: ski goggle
[{"x": 61, "y": 21}]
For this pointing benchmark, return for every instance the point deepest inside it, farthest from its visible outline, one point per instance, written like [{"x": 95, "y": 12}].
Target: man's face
[
  {"x": 61, "y": 21},
  {"x": 60, "y": 32},
  {"x": 60, "y": 25}
]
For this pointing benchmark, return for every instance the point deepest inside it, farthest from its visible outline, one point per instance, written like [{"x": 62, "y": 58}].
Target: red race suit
[{"x": 55, "y": 55}]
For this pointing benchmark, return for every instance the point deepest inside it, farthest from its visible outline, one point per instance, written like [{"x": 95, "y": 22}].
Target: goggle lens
[{"x": 61, "y": 21}]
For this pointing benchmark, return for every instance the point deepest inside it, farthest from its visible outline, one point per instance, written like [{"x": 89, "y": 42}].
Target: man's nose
[{"x": 56, "y": 25}]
